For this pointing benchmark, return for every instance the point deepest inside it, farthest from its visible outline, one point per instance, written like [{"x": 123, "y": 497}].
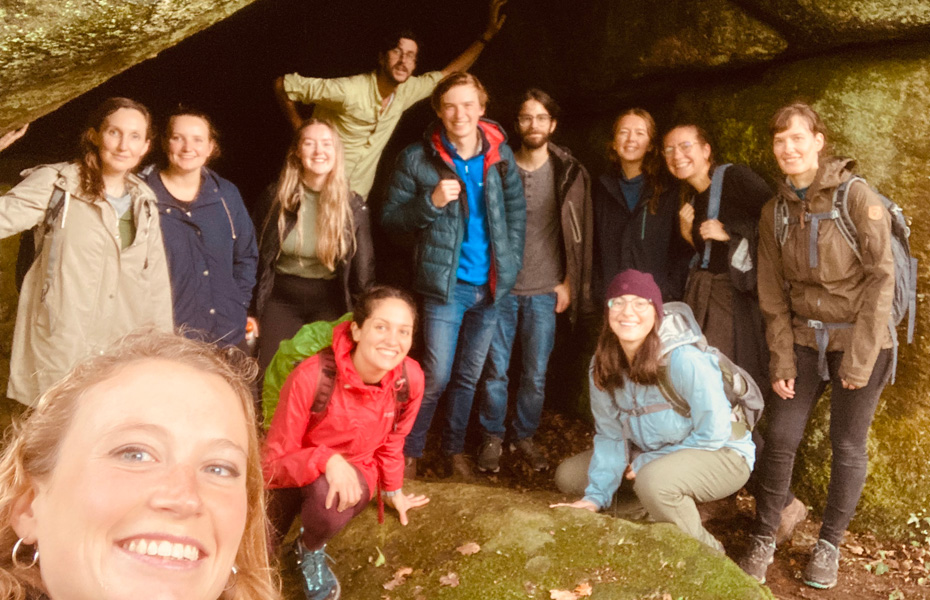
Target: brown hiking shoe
[
  {"x": 791, "y": 516},
  {"x": 410, "y": 468},
  {"x": 461, "y": 468}
]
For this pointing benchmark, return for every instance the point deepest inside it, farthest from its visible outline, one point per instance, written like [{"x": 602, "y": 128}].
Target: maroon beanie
[{"x": 636, "y": 283}]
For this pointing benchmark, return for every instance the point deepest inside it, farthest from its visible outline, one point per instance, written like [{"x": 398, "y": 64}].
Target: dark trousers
[
  {"x": 851, "y": 413},
  {"x": 320, "y": 524}
]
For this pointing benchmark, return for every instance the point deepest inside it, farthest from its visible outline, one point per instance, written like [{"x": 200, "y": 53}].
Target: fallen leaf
[
  {"x": 379, "y": 562},
  {"x": 400, "y": 575},
  {"x": 469, "y": 548},
  {"x": 451, "y": 579},
  {"x": 562, "y": 595},
  {"x": 857, "y": 550},
  {"x": 583, "y": 589}
]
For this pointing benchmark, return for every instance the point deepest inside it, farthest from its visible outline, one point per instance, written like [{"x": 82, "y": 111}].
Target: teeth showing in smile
[{"x": 164, "y": 549}]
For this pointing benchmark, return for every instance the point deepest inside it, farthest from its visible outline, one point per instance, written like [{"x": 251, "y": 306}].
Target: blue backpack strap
[{"x": 713, "y": 206}]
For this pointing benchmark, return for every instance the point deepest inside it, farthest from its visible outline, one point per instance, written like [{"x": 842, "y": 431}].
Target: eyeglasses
[
  {"x": 525, "y": 120},
  {"x": 685, "y": 148},
  {"x": 639, "y": 304},
  {"x": 406, "y": 56}
]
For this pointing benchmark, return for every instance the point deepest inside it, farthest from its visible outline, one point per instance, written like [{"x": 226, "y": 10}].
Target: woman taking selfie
[
  {"x": 99, "y": 269},
  {"x": 138, "y": 476}
]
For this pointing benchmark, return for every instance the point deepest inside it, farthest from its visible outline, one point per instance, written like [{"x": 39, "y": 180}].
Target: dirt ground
[{"x": 870, "y": 569}]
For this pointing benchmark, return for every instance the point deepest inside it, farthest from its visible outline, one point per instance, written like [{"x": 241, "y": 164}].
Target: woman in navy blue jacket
[{"x": 209, "y": 237}]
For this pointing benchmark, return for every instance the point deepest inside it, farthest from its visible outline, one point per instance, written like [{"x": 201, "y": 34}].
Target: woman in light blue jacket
[{"x": 673, "y": 461}]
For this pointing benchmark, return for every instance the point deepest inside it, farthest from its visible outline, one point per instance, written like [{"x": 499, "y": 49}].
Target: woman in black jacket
[
  {"x": 315, "y": 252},
  {"x": 636, "y": 212}
]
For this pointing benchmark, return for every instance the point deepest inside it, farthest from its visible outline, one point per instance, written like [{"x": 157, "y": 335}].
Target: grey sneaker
[
  {"x": 489, "y": 456},
  {"x": 791, "y": 516},
  {"x": 319, "y": 581},
  {"x": 759, "y": 556},
  {"x": 822, "y": 569},
  {"x": 531, "y": 454}
]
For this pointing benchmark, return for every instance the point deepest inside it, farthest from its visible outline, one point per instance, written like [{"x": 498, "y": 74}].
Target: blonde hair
[
  {"x": 334, "y": 223},
  {"x": 34, "y": 445}
]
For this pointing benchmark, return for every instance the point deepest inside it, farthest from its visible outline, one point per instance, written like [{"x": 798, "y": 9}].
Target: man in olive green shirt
[{"x": 366, "y": 108}]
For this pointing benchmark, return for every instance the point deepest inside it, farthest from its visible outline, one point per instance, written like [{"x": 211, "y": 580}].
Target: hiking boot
[
  {"x": 489, "y": 456},
  {"x": 318, "y": 581},
  {"x": 791, "y": 516},
  {"x": 410, "y": 468},
  {"x": 821, "y": 570},
  {"x": 531, "y": 454},
  {"x": 461, "y": 468},
  {"x": 759, "y": 556}
]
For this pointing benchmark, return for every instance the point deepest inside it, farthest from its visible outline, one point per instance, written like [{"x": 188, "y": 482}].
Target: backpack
[
  {"x": 746, "y": 399},
  {"x": 905, "y": 265},
  {"x": 32, "y": 240},
  {"x": 315, "y": 338}
]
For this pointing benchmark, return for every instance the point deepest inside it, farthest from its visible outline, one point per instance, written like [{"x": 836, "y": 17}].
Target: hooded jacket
[
  {"x": 83, "y": 292},
  {"x": 696, "y": 376},
  {"x": 359, "y": 423},
  {"x": 212, "y": 255},
  {"x": 842, "y": 289},
  {"x": 409, "y": 208}
]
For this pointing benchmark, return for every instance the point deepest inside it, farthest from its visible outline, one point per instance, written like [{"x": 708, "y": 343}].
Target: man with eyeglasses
[
  {"x": 366, "y": 108},
  {"x": 555, "y": 277}
]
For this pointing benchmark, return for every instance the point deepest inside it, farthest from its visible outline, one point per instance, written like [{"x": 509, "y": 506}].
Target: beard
[{"x": 535, "y": 141}]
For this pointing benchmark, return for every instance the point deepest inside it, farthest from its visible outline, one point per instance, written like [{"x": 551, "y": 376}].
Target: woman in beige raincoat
[{"x": 99, "y": 270}]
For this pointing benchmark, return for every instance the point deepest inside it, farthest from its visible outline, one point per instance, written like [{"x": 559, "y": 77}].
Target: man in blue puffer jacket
[{"x": 460, "y": 190}]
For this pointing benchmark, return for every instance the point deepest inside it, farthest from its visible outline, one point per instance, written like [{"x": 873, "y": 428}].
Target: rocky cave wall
[{"x": 864, "y": 64}]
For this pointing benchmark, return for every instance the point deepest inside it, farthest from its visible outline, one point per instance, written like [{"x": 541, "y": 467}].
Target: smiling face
[
  {"x": 797, "y": 150},
  {"x": 686, "y": 156},
  {"x": 316, "y": 152},
  {"x": 632, "y": 139},
  {"x": 397, "y": 64},
  {"x": 460, "y": 109},
  {"x": 148, "y": 496},
  {"x": 383, "y": 340},
  {"x": 631, "y": 318},
  {"x": 189, "y": 144},
  {"x": 535, "y": 124},
  {"x": 122, "y": 141}
]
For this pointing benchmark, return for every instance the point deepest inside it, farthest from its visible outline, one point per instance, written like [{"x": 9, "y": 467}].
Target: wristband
[
  {"x": 388, "y": 494},
  {"x": 483, "y": 40}
]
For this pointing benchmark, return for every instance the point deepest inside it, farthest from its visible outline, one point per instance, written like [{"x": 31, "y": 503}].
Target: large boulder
[
  {"x": 524, "y": 550},
  {"x": 51, "y": 52},
  {"x": 877, "y": 106}
]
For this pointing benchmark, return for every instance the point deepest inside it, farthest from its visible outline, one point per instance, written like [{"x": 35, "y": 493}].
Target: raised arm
[
  {"x": 466, "y": 59},
  {"x": 11, "y": 136},
  {"x": 288, "y": 106}
]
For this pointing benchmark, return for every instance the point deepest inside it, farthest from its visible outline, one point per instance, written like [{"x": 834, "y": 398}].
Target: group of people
[{"x": 505, "y": 241}]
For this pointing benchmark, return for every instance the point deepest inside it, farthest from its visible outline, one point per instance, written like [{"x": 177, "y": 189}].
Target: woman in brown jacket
[{"x": 827, "y": 314}]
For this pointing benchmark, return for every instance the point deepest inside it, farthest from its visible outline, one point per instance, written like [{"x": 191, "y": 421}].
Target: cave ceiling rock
[{"x": 51, "y": 52}]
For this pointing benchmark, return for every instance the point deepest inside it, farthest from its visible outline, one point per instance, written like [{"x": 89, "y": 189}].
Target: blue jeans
[
  {"x": 457, "y": 337},
  {"x": 534, "y": 318}
]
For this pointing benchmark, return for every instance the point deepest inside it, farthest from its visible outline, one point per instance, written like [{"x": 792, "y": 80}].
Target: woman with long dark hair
[
  {"x": 673, "y": 460},
  {"x": 315, "y": 250},
  {"x": 636, "y": 209},
  {"x": 209, "y": 237},
  {"x": 99, "y": 269}
]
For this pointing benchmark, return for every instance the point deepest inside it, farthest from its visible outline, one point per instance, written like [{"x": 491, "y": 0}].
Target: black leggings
[{"x": 294, "y": 302}]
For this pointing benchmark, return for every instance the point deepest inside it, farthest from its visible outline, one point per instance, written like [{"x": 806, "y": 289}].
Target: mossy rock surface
[
  {"x": 526, "y": 550},
  {"x": 877, "y": 106},
  {"x": 51, "y": 52}
]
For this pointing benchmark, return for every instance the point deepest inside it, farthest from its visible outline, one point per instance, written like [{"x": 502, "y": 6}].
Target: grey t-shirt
[{"x": 542, "y": 253}]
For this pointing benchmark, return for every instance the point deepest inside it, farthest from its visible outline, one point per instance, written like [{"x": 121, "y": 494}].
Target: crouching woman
[
  {"x": 673, "y": 461},
  {"x": 338, "y": 432}
]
